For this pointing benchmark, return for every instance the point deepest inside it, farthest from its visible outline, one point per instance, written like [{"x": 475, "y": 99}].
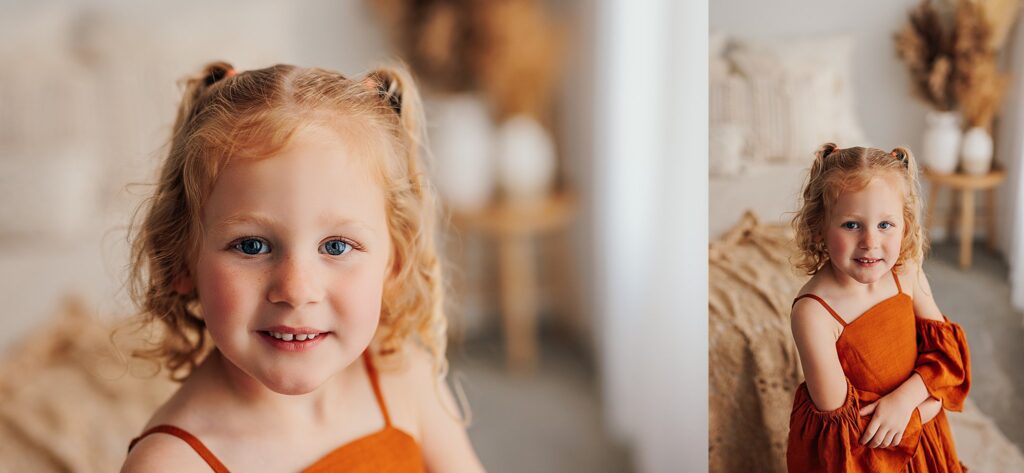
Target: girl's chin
[{"x": 294, "y": 385}]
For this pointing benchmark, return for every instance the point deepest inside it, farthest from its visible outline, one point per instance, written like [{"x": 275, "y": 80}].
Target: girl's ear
[{"x": 183, "y": 284}]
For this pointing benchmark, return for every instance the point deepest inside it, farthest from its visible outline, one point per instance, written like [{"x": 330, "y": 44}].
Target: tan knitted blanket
[
  {"x": 754, "y": 368},
  {"x": 67, "y": 403}
]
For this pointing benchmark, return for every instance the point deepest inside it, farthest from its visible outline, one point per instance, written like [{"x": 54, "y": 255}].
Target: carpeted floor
[
  {"x": 979, "y": 300},
  {"x": 547, "y": 421}
]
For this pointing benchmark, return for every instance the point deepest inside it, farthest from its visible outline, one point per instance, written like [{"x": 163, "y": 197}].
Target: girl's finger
[
  {"x": 896, "y": 441},
  {"x": 868, "y": 409},
  {"x": 887, "y": 440},
  {"x": 879, "y": 437},
  {"x": 869, "y": 431}
]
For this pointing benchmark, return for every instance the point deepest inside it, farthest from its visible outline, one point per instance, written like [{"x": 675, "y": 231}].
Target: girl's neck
[
  {"x": 849, "y": 285},
  {"x": 239, "y": 389}
]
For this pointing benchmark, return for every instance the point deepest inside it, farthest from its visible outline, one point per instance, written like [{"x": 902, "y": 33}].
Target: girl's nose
[
  {"x": 869, "y": 239},
  {"x": 295, "y": 283}
]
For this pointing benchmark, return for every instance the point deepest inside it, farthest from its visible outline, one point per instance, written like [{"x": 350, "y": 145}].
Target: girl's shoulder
[
  {"x": 810, "y": 315},
  {"x": 164, "y": 452}
]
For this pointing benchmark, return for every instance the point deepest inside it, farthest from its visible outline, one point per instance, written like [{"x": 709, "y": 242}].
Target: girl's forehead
[
  {"x": 319, "y": 171},
  {"x": 883, "y": 192}
]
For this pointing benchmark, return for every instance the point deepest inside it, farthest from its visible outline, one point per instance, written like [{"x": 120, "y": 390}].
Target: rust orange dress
[
  {"x": 879, "y": 351},
  {"x": 389, "y": 450}
]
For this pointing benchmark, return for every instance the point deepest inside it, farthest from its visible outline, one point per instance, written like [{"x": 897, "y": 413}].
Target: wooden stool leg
[
  {"x": 966, "y": 227},
  {"x": 992, "y": 215},
  {"x": 933, "y": 200},
  {"x": 954, "y": 212},
  {"x": 518, "y": 302}
]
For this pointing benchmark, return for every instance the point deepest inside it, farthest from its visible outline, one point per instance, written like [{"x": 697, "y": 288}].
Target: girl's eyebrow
[
  {"x": 243, "y": 218},
  {"x": 261, "y": 220}
]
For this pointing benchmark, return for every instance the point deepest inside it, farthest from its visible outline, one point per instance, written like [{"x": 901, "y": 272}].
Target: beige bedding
[
  {"x": 68, "y": 404},
  {"x": 754, "y": 367}
]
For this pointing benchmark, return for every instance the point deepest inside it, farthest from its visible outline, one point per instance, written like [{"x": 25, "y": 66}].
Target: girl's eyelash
[
  {"x": 354, "y": 245},
  {"x": 234, "y": 243}
]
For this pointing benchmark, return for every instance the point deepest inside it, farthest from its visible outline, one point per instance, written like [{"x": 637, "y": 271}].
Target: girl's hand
[
  {"x": 890, "y": 419},
  {"x": 929, "y": 409}
]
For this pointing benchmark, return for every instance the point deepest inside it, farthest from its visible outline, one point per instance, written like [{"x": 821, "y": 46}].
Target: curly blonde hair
[
  {"x": 226, "y": 115},
  {"x": 836, "y": 170}
]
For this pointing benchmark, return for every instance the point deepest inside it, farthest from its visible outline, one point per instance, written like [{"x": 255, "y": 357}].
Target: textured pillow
[{"x": 800, "y": 95}]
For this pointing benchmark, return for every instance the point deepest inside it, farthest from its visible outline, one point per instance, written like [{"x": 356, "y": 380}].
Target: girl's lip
[
  {"x": 292, "y": 330},
  {"x": 294, "y": 345}
]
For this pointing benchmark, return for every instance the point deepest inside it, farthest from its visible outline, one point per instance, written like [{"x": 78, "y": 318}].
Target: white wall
[
  {"x": 888, "y": 112},
  {"x": 650, "y": 227}
]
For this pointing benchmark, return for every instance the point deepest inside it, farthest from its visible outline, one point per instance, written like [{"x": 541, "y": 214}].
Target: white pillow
[{"x": 800, "y": 95}]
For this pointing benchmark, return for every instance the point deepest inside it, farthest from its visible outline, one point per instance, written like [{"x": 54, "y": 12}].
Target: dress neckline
[{"x": 868, "y": 312}]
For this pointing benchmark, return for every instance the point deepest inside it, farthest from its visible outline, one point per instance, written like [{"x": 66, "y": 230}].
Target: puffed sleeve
[
  {"x": 943, "y": 361},
  {"x": 829, "y": 441}
]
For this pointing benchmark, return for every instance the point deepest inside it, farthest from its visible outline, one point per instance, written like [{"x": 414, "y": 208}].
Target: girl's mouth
[
  {"x": 293, "y": 342},
  {"x": 868, "y": 261}
]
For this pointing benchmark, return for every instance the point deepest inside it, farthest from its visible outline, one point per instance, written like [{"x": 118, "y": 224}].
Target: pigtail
[
  {"x": 811, "y": 248},
  {"x": 397, "y": 91},
  {"x": 817, "y": 166},
  {"x": 196, "y": 86},
  {"x": 916, "y": 239}
]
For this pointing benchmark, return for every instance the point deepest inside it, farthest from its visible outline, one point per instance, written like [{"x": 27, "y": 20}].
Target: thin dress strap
[
  {"x": 372, "y": 372},
  {"x": 897, "y": 279},
  {"x": 825, "y": 305},
  {"x": 190, "y": 439}
]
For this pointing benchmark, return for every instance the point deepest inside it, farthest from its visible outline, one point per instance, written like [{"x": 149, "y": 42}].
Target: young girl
[
  {"x": 286, "y": 252},
  {"x": 881, "y": 362}
]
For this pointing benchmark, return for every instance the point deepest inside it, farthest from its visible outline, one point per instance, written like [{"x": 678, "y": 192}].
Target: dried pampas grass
[
  {"x": 977, "y": 82},
  {"x": 927, "y": 49},
  {"x": 1000, "y": 16},
  {"x": 508, "y": 49},
  {"x": 951, "y": 50}
]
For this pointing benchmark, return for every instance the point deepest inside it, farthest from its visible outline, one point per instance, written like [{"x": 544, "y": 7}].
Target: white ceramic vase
[
  {"x": 941, "y": 147},
  {"x": 525, "y": 159},
  {"x": 976, "y": 154},
  {"x": 461, "y": 137}
]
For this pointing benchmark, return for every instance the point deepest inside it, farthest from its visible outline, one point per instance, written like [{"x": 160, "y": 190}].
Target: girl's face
[
  {"x": 865, "y": 229},
  {"x": 295, "y": 246}
]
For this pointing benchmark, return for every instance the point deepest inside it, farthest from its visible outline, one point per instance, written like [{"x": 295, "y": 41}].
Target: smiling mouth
[
  {"x": 298, "y": 337},
  {"x": 867, "y": 261}
]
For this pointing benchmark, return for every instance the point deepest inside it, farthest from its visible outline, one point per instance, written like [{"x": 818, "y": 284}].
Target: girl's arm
[
  {"x": 446, "y": 446},
  {"x": 924, "y": 303},
  {"x": 815, "y": 334}
]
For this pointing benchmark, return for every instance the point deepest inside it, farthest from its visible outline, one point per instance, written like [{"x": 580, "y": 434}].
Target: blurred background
[
  {"x": 945, "y": 78},
  {"x": 566, "y": 140}
]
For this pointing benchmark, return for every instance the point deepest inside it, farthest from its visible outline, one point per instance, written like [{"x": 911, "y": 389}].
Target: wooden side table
[
  {"x": 515, "y": 227},
  {"x": 962, "y": 208}
]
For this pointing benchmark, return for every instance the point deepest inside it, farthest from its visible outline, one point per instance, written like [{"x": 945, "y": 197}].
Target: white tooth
[
  {"x": 300, "y": 337},
  {"x": 311, "y": 336},
  {"x": 287, "y": 337},
  {"x": 276, "y": 334}
]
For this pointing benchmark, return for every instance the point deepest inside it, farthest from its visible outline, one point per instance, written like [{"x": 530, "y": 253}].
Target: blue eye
[
  {"x": 252, "y": 246},
  {"x": 851, "y": 225},
  {"x": 885, "y": 225},
  {"x": 337, "y": 247}
]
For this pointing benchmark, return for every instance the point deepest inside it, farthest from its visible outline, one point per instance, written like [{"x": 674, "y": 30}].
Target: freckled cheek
[
  {"x": 356, "y": 293},
  {"x": 839, "y": 243},
  {"x": 226, "y": 293}
]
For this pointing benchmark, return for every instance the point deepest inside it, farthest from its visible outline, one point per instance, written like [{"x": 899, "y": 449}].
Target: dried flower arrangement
[
  {"x": 508, "y": 49},
  {"x": 953, "y": 61},
  {"x": 927, "y": 49}
]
